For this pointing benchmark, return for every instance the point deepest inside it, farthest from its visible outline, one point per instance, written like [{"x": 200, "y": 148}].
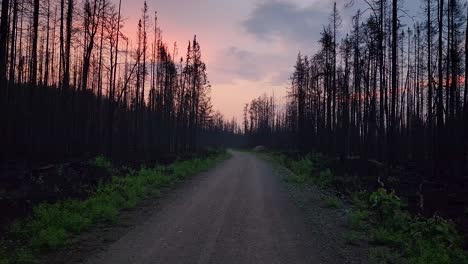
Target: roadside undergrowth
[
  {"x": 53, "y": 226},
  {"x": 380, "y": 220}
]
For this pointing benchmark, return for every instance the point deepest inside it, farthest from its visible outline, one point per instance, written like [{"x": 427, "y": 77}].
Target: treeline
[
  {"x": 383, "y": 92},
  {"x": 73, "y": 84}
]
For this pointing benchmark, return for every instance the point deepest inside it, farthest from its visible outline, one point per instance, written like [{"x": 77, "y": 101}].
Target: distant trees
[
  {"x": 74, "y": 85},
  {"x": 260, "y": 120},
  {"x": 383, "y": 92}
]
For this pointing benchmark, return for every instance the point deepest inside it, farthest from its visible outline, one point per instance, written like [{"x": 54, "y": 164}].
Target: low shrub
[
  {"x": 325, "y": 178},
  {"x": 333, "y": 202},
  {"x": 385, "y": 255},
  {"x": 3, "y": 255},
  {"x": 307, "y": 170},
  {"x": 302, "y": 169},
  {"x": 384, "y": 236},
  {"x": 434, "y": 240},
  {"x": 358, "y": 218},
  {"x": 386, "y": 205},
  {"x": 102, "y": 162},
  {"x": 24, "y": 256},
  {"x": 360, "y": 200},
  {"x": 50, "y": 237},
  {"x": 281, "y": 159},
  {"x": 430, "y": 252},
  {"x": 353, "y": 237}
]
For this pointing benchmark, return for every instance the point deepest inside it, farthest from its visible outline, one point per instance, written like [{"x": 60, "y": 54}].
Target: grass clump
[
  {"x": 325, "y": 178},
  {"x": 279, "y": 158},
  {"x": 386, "y": 205},
  {"x": 432, "y": 241},
  {"x": 384, "y": 255},
  {"x": 353, "y": 237},
  {"x": 302, "y": 169},
  {"x": 333, "y": 202},
  {"x": 360, "y": 200},
  {"x": 182, "y": 169},
  {"x": 306, "y": 169},
  {"x": 3, "y": 255},
  {"x": 357, "y": 219},
  {"x": 385, "y": 236},
  {"x": 52, "y": 225},
  {"x": 102, "y": 162}
]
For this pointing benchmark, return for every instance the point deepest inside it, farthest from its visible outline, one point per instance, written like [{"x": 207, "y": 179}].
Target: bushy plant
[
  {"x": 385, "y": 236},
  {"x": 281, "y": 159},
  {"x": 325, "y": 178},
  {"x": 360, "y": 200},
  {"x": 295, "y": 178},
  {"x": 430, "y": 252},
  {"x": 102, "y": 162},
  {"x": 102, "y": 208},
  {"x": 24, "y": 256},
  {"x": 353, "y": 237},
  {"x": 316, "y": 158},
  {"x": 333, "y": 202},
  {"x": 51, "y": 237},
  {"x": 386, "y": 204},
  {"x": 3, "y": 255},
  {"x": 357, "y": 219},
  {"x": 305, "y": 170},
  {"x": 302, "y": 168},
  {"x": 385, "y": 255},
  {"x": 436, "y": 228},
  {"x": 434, "y": 240}
]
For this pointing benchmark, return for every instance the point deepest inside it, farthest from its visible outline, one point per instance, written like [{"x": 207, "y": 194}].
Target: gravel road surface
[{"x": 238, "y": 212}]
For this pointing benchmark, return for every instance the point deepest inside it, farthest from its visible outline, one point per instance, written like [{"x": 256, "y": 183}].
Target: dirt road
[{"x": 238, "y": 212}]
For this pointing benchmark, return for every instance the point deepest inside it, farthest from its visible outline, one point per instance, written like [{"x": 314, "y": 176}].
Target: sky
[{"x": 249, "y": 46}]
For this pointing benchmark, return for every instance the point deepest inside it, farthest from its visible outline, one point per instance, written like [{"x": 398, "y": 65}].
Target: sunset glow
[{"x": 259, "y": 51}]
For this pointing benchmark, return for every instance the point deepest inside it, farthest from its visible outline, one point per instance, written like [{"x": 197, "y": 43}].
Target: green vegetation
[
  {"x": 101, "y": 162},
  {"x": 353, "y": 237},
  {"x": 302, "y": 169},
  {"x": 385, "y": 255},
  {"x": 305, "y": 170},
  {"x": 360, "y": 200},
  {"x": 333, "y": 202},
  {"x": 396, "y": 236},
  {"x": 52, "y": 225},
  {"x": 357, "y": 219},
  {"x": 325, "y": 178},
  {"x": 409, "y": 239},
  {"x": 3, "y": 255}
]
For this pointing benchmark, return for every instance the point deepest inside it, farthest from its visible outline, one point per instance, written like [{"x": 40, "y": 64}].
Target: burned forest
[{"x": 365, "y": 136}]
